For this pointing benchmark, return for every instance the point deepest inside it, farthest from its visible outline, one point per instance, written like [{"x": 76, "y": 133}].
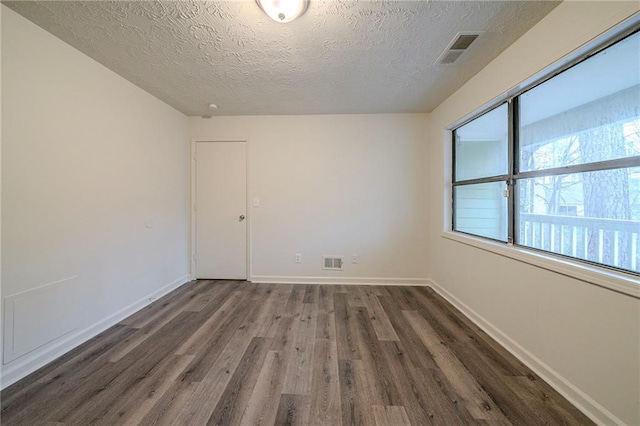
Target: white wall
[
  {"x": 88, "y": 161},
  {"x": 333, "y": 185},
  {"x": 583, "y": 338}
]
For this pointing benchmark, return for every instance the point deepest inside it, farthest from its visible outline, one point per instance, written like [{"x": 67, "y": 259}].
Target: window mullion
[
  {"x": 498, "y": 178},
  {"x": 618, "y": 163},
  {"x": 512, "y": 147}
]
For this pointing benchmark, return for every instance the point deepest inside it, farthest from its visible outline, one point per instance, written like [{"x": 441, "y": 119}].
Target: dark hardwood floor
[{"x": 227, "y": 352}]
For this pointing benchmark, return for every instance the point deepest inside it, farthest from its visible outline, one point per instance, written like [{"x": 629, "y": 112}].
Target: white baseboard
[
  {"x": 23, "y": 366},
  {"x": 270, "y": 279},
  {"x": 572, "y": 393}
]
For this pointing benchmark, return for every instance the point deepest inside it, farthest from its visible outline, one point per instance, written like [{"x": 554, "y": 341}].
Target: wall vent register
[{"x": 333, "y": 263}]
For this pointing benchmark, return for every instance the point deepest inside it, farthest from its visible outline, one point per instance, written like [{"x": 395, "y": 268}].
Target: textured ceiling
[{"x": 339, "y": 57}]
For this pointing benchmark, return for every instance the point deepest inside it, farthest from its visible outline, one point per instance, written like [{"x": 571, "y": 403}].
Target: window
[
  {"x": 556, "y": 167},
  {"x": 480, "y": 169}
]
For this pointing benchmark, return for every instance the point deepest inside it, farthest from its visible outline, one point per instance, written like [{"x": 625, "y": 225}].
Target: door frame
[{"x": 193, "y": 202}]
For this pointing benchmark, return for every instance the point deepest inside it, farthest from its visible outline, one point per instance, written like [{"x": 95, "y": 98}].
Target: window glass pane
[
  {"x": 593, "y": 216},
  {"x": 589, "y": 113},
  {"x": 481, "y": 146},
  {"x": 481, "y": 209}
]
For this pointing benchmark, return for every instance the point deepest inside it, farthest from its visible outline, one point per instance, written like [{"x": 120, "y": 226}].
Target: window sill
[{"x": 613, "y": 280}]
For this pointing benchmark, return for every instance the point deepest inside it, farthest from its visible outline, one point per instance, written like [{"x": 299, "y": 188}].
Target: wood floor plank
[
  {"x": 353, "y": 413},
  {"x": 326, "y": 326},
  {"x": 449, "y": 320},
  {"x": 214, "y": 291},
  {"x": 148, "y": 330},
  {"x": 326, "y": 322},
  {"x": 263, "y": 404},
  {"x": 169, "y": 406},
  {"x": 415, "y": 350},
  {"x": 212, "y": 324},
  {"x": 325, "y": 399},
  {"x": 397, "y": 416},
  {"x": 231, "y": 352},
  {"x": 367, "y": 390},
  {"x": 377, "y": 375},
  {"x": 490, "y": 367},
  {"x": 146, "y": 393},
  {"x": 468, "y": 324},
  {"x": 277, "y": 302},
  {"x": 291, "y": 410},
  {"x": 542, "y": 399},
  {"x": 356, "y": 297},
  {"x": 73, "y": 386},
  {"x": 202, "y": 403},
  {"x": 345, "y": 327},
  {"x": 297, "y": 379},
  {"x": 168, "y": 302},
  {"x": 200, "y": 406},
  {"x": 236, "y": 395},
  {"x": 426, "y": 396},
  {"x": 311, "y": 294},
  {"x": 469, "y": 392},
  {"x": 193, "y": 301},
  {"x": 201, "y": 294},
  {"x": 99, "y": 394},
  {"x": 54, "y": 377},
  {"x": 212, "y": 346},
  {"x": 295, "y": 301},
  {"x": 390, "y": 416},
  {"x": 325, "y": 298},
  {"x": 284, "y": 339},
  {"x": 379, "y": 319},
  {"x": 378, "y": 290}
]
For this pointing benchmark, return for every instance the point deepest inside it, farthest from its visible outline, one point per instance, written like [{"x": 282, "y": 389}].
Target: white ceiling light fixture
[{"x": 283, "y": 11}]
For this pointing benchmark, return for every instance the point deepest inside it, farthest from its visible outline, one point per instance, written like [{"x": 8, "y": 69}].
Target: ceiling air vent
[
  {"x": 457, "y": 47},
  {"x": 333, "y": 263}
]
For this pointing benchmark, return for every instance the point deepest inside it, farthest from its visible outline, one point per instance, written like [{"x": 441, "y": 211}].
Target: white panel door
[{"x": 221, "y": 203}]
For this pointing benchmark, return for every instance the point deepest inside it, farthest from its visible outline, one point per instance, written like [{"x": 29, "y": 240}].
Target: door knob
[{"x": 241, "y": 218}]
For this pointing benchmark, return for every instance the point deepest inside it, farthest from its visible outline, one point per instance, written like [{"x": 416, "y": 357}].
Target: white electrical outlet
[
  {"x": 354, "y": 259},
  {"x": 298, "y": 258}
]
